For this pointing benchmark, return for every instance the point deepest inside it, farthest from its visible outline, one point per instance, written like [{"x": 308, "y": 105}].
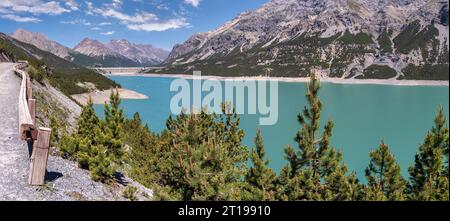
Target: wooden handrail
[
  {"x": 26, "y": 121},
  {"x": 40, "y": 137}
]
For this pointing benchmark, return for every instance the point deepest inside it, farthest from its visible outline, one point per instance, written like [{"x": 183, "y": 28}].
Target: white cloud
[
  {"x": 20, "y": 19},
  {"x": 140, "y": 17},
  {"x": 159, "y": 26},
  {"x": 139, "y": 21},
  {"x": 34, "y": 7},
  {"x": 72, "y": 4},
  {"x": 116, "y": 3},
  {"x": 194, "y": 3},
  {"x": 104, "y": 23},
  {"x": 90, "y": 8},
  {"x": 108, "y": 33},
  {"x": 95, "y": 28},
  {"x": 77, "y": 22}
]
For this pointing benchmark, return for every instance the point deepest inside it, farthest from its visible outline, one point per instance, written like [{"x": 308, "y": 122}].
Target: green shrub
[
  {"x": 130, "y": 193},
  {"x": 101, "y": 164},
  {"x": 377, "y": 72},
  {"x": 68, "y": 146},
  {"x": 359, "y": 38}
]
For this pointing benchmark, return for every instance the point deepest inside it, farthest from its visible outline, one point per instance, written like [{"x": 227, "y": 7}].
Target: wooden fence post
[
  {"x": 29, "y": 89},
  {"x": 39, "y": 157},
  {"x": 32, "y": 107}
]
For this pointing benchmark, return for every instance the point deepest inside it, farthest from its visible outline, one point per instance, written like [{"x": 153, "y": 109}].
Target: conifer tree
[
  {"x": 87, "y": 124},
  {"x": 429, "y": 175},
  {"x": 55, "y": 136},
  {"x": 260, "y": 176},
  {"x": 205, "y": 157},
  {"x": 89, "y": 145},
  {"x": 144, "y": 156},
  {"x": 316, "y": 170},
  {"x": 383, "y": 176},
  {"x": 113, "y": 127},
  {"x": 87, "y": 121}
]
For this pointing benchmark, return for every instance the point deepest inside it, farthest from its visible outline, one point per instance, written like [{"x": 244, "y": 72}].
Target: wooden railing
[
  {"x": 27, "y": 107},
  {"x": 39, "y": 138}
]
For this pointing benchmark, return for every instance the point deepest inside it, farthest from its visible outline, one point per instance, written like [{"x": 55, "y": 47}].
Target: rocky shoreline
[
  {"x": 102, "y": 97},
  {"x": 301, "y": 80}
]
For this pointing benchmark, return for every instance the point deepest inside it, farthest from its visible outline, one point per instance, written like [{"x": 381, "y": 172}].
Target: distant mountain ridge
[
  {"x": 67, "y": 76},
  {"x": 401, "y": 39},
  {"x": 142, "y": 55},
  {"x": 90, "y": 52},
  {"x": 42, "y": 42}
]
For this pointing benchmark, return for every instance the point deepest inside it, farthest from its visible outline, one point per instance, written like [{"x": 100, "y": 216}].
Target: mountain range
[
  {"x": 392, "y": 39},
  {"x": 361, "y": 39},
  {"x": 91, "y": 52},
  {"x": 63, "y": 74}
]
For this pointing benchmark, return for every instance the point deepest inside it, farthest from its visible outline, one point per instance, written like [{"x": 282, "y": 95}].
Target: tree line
[{"x": 201, "y": 157}]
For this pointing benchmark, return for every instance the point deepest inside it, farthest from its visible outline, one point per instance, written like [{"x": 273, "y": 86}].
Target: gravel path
[{"x": 64, "y": 180}]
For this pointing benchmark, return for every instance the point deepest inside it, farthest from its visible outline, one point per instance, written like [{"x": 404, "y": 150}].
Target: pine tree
[
  {"x": 383, "y": 176},
  {"x": 337, "y": 185},
  {"x": 88, "y": 145},
  {"x": 429, "y": 175},
  {"x": 55, "y": 136},
  {"x": 260, "y": 177},
  {"x": 113, "y": 127},
  {"x": 87, "y": 121},
  {"x": 316, "y": 170},
  {"x": 205, "y": 157},
  {"x": 144, "y": 155}
]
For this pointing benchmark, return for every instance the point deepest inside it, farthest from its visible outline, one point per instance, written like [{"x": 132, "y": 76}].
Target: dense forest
[{"x": 201, "y": 157}]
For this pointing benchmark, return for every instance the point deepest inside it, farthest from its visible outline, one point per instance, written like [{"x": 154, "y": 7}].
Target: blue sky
[{"x": 161, "y": 23}]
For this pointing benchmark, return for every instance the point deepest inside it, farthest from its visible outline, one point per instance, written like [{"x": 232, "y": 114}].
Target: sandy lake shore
[
  {"x": 292, "y": 79},
  {"x": 100, "y": 97}
]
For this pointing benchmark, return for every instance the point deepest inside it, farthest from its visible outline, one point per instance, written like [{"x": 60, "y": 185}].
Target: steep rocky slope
[
  {"x": 403, "y": 39},
  {"x": 41, "y": 42}
]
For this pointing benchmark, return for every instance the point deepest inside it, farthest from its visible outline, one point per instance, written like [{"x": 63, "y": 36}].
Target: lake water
[{"x": 363, "y": 116}]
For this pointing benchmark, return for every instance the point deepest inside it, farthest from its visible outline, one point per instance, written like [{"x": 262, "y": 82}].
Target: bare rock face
[
  {"x": 92, "y": 47},
  {"x": 293, "y": 36},
  {"x": 139, "y": 54},
  {"x": 42, "y": 42},
  {"x": 143, "y": 54}
]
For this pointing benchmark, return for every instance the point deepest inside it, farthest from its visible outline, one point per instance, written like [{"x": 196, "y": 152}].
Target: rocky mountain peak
[
  {"x": 342, "y": 37},
  {"x": 42, "y": 42},
  {"x": 93, "y": 47},
  {"x": 141, "y": 53}
]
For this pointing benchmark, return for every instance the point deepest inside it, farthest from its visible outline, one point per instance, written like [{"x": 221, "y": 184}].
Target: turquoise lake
[{"x": 363, "y": 116}]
